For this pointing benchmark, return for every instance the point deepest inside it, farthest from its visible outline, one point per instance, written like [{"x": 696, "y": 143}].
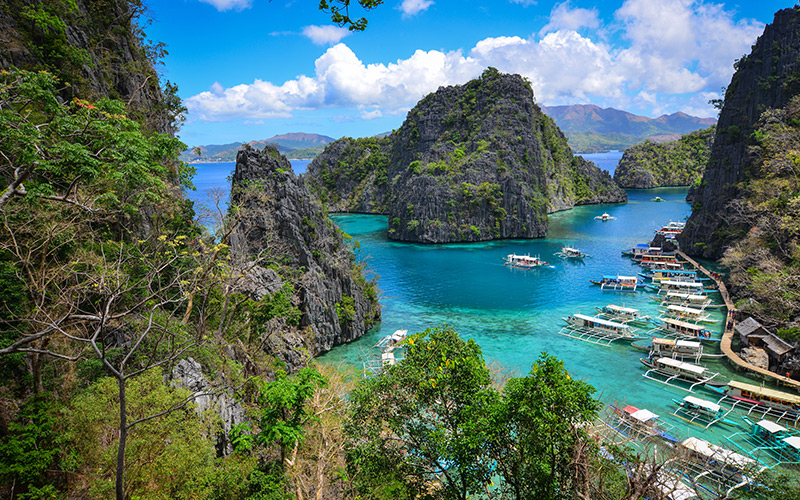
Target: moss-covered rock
[{"x": 676, "y": 163}]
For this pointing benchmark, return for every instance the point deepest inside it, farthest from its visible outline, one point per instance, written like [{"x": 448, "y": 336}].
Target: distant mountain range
[
  {"x": 592, "y": 129},
  {"x": 296, "y": 145},
  {"x": 589, "y": 128}
]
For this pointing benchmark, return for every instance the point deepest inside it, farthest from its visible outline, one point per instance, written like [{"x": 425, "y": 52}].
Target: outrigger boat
[
  {"x": 701, "y": 412},
  {"x": 387, "y": 346},
  {"x": 656, "y": 275},
  {"x": 768, "y": 442},
  {"x": 596, "y": 330},
  {"x": 657, "y": 256},
  {"x": 639, "y": 250},
  {"x": 690, "y": 287},
  {"x": 605, "y": 217},
  {"x": 760, "y": 402},
  {"x": 676, "y": 348},
  {"x": 571, "y": 253},
  {"x": 672, "y": 227},
  {"x": 523, "y": 261},
  {"x": 657, "y": 198},
  {"x": 720, "y": 468},
  {"x": 688, "y": 313},
  {"x": 640, "y": 424},
  {"x": 682, "y": 298},
  {"x": 685, "y": 329},
  {"x": 617, "y": 283},
  {"x": 653, "y": 265},
  {"x": 623, "y": 314},
  {"x": 672, "y": 369}
]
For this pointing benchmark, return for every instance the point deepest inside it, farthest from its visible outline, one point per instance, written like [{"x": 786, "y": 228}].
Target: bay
[{"x": 513, "y": 314}]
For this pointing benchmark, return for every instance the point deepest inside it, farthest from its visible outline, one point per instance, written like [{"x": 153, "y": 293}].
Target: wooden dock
[{"x": 727, "y": 336}]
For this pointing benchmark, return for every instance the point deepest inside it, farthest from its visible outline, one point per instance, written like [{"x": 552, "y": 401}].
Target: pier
[{"x": 727, "y": 336}]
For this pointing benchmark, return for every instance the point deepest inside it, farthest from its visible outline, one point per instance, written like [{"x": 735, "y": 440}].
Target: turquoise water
[{"x": 515, "y": 314}]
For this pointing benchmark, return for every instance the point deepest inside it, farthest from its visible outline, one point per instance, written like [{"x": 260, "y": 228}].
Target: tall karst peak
[{"x": 471, "y": 162}]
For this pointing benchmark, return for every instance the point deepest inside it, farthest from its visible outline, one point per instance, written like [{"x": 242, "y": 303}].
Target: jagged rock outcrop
[
  {"x": 650, "y": 165},
  {"x": 765, "y": 79},
  {"x": 473, "y": 162},
  {"x": 297, "y": 249},
  {"x": 94, "y": 47},
  {"x": 188, "y": 374},
  {"x": 755, "y": 356}
]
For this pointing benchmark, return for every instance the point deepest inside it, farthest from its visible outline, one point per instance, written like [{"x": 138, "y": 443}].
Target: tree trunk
[{"x": 123, "y": 437}]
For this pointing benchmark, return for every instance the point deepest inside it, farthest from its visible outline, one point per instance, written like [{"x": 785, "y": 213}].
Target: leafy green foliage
[
  {"x": 281, "y": 411},
  {"x": 277, "y": 305},
  {"x": 30, "y": 447},
  {"x": 542, "y": 417},
  {"x": 345, "y": 309},
  {"x": 424, "y": 419}
]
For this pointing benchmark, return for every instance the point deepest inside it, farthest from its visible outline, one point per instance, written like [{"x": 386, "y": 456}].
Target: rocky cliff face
[
  {"x": 295, "y": 244},
  {"x": 473, "y": 162},
  {"x": 765, "y": 79},
  {"x": 94, "y": 46},
  {"x": 677, "y": 163}
]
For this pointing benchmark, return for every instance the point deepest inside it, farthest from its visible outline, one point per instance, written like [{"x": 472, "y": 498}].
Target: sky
[{"x": 251, "y": 69}]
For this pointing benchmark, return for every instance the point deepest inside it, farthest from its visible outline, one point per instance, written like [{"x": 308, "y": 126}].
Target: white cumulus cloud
[
  {"x": 325, "y": 35},
  {"x": 564, "y": 17},
  {"x": 669, "y": 55},
  {"x": 411, "y": 8},
  {"x": 223, "y": 5}
]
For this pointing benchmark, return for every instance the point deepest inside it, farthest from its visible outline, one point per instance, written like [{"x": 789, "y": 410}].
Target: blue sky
[{"x": 251, "y": 69}]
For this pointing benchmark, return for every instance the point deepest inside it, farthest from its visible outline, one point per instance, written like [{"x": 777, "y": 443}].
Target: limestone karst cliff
[
  {"x": 746, "y": 210},
  {"x": 650, "y": 164},
  {"x": 765, "y": 79},
  {"x": 472, "y": 162},
  {"x": 298, "y": 251}
]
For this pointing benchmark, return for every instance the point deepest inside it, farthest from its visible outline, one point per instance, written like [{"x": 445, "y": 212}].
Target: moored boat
[
  {"x": 672, "y": 370},
  {"x": 640, "y": 423},
  {"x": 624, "y": 314},
  {"x": 617, "y": 283},
  {"x": 702, "y": 412},
  {"x": 685, "y": 329},
  {"x": 688, "y": 313}
]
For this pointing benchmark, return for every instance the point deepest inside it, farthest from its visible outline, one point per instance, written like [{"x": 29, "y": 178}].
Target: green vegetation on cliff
[
  {"x": 678, "y": 163},
  {"x": 474, "y": 162},
  {"x": 764, "y": 259}
]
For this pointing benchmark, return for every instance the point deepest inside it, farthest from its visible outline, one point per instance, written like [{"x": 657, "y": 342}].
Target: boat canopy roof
[
  {"x": 688, "y": 343},
  {"x": 680, "y": 365},
  {"x": 717, "y": 453},
  {"x": 770, "y": 426},
  {"x": 660, "y": 341},
  {"x": 708, "y": 405},
  {"x": 685, "y": 310},
  {"x": 618, "y": 277},
  {"x": 763, "y": 391},
  {"x": 793, "y": 441},
  {"x": 683, "y": 324},
  {"x": 617, "y": 308},
  {"x": 683, "y": 284},
  {"x": 643, "y": 415},
  {"x": 513, "y": 256},
  {"x": 399, "y": 335},
  {"x": 600, "y": 321}
]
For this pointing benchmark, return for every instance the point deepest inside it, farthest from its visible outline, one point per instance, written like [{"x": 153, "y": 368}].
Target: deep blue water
[{"x": 606, "y": 161}]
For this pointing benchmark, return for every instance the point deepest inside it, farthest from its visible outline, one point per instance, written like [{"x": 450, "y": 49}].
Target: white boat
[
  {"x": 688, "y": 313},
  {"x": 640, "y": 423},
  {"x": 523, "y": 261},
  {"x": 623, "y": 314},
  {"x": 672, "y": 369},
  {"x": 596, "y": 330},
  {"x": 690, "y": 287},
  {"x": 684, "y": 298},
  {"x": 605, "y": 217},
  {"x": 571, "y": 253},
  {"x": 684, "y": 329},
  {"x": 617, "y": 283},
  {"x": 701, "y": 412},
  {"x": 390, "y": 342},
  {"x": 676, "y": 348}
]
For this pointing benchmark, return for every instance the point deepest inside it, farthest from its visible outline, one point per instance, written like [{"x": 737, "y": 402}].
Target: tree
[
  {"x": 340, "y": 12},
  {"x": 541, "y": 417},
  {"x": 281, "y": 411},
  {"x": 424, "y": 422}
]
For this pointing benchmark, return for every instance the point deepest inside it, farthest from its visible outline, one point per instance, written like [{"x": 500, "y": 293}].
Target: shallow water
[{"x": 515, "y": 314}]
